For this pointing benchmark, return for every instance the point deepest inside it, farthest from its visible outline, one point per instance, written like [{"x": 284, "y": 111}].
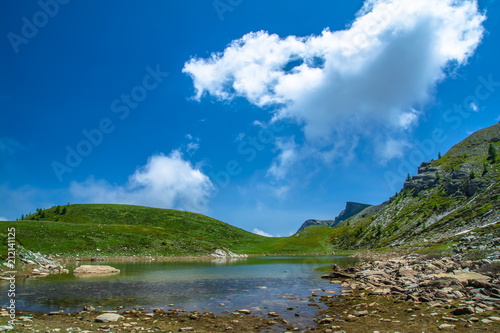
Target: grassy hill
[{"x": 115, "y": 230}]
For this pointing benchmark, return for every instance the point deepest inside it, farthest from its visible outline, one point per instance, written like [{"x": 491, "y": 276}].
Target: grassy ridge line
[{"x": 122, "y": 230}]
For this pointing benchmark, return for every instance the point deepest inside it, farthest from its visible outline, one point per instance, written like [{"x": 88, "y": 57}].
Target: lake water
[{"x": 259, "y": 284}]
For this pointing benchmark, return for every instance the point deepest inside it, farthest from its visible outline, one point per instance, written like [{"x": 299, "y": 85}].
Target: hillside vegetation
[{"x": 114, "y": 230}]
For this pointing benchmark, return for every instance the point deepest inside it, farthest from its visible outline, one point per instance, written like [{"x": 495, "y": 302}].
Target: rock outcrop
[
  {"x": 351, "y": 209},
  {"x": 219, "y": 253},
  {"x": 321, "y": 223}
]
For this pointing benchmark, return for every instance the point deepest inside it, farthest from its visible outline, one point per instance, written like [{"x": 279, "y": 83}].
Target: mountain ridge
[{"x": 351, "y": 208}]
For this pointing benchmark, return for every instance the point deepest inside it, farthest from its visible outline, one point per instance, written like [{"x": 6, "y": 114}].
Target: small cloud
[
  {"x": 3, "y": 218},
  {"x": 287, "y": 157},
  {"x": 259, "y": 123},
  {"x": 408, "y": 119},
  {"x": 474, "y": 107},
  {"x": 392, "y": 148},
  {"x": 192, "y": 147},
  {"x": 240, "y": 137},
  {"x": 498, "y": 118},
  {"x": 164, "y": 182},
  {"x": 261, "y": 233}
]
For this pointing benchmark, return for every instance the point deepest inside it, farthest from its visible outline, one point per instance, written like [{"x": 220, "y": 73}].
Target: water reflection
[{"x": 258, "y": 283}]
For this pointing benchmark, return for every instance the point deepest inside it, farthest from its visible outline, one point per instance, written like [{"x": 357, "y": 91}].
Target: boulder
[
  {"x": 108, "y": 317},
  {"x": 406, "y": 272},
  {"x": 463, "y": 311},
  {"x": 95, "y": 270}
]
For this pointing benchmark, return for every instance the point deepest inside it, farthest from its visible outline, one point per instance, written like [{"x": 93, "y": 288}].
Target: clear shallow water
[{"x": 259, "y": 284}]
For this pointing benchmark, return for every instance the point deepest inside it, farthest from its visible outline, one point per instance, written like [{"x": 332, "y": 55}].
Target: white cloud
[
  {"x": 286, "y": 159},
  {"x": 474, "y": 107},
  {"x": 368, "y": 77},
  {"x": 165, "y": 182},
  {"x": 192, "y": 147},
  {"x": 3, "y": 218},
  {"x": 261, "y": 233},
  {"x": 392, "y": 148}
]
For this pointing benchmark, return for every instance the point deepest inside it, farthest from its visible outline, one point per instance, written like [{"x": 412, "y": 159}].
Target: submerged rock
[{"x": 95, "y": 270}]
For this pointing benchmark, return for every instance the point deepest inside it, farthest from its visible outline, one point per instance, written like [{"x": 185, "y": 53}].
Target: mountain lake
[{"x": 259, "y": 284}]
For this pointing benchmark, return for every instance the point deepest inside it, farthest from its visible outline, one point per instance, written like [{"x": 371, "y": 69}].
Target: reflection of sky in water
[{"x": 258, "y": 284}]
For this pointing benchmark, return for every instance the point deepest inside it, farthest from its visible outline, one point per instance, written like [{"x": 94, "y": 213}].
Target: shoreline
[{"x": 371, "y": 301}]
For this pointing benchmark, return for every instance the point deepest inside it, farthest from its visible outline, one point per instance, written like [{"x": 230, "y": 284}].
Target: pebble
[{"x": 446, "y": 327}]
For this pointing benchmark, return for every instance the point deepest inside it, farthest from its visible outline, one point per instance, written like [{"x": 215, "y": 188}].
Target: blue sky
[{"x": 256, "y": 113}]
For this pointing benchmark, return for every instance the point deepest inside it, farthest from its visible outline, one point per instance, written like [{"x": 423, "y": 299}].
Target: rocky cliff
[{"x": 351, "y": 209}]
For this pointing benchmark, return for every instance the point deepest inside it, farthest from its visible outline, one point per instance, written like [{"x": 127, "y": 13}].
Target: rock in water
[{"x": 95, "y": 270}]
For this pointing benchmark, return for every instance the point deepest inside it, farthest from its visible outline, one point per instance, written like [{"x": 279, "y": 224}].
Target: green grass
[{"x": 121, "y": 230}]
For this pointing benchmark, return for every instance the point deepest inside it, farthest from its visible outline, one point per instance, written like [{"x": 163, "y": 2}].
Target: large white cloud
[
  {"x": 370, "y": 76},
  {"x": 165, "y": 182}
]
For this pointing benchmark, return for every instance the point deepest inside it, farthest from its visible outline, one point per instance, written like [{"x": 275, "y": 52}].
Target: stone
[
  {"x": 406, "y": 272},
  {"x": 494, "y": 318},
  {"x": 361, "y": 313},
  {"x": 337, "y": 275},
  {"x": 326, "y": 320},
  {"x": 108, "y": 317},
  {"x": 350, "y": 317},
  {"x": 447, "y": 327},
  {"x": 95, "y": 270},
  {"x": 186, "y": 329},
  {"x": 465, "y": 277},
  {"x": 463, "y": 311},
  {"x": 381, "y": 291},
  {"x": 245, "y": 311}
]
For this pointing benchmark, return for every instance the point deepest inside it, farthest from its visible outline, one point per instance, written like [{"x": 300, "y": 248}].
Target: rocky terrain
[
  {"x": 31, "y": 264},
  {"x": 415, "y": 292}
]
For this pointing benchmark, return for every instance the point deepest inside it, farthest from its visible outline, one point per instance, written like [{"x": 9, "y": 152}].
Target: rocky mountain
[
  {"x": 449, "y": 196},
  {"x": 311, "y": 222},
  {"x": 351, "y": 209}
]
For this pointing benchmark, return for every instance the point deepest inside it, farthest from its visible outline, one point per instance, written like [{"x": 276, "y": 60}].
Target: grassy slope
[{"x": 134, "y": 230}]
